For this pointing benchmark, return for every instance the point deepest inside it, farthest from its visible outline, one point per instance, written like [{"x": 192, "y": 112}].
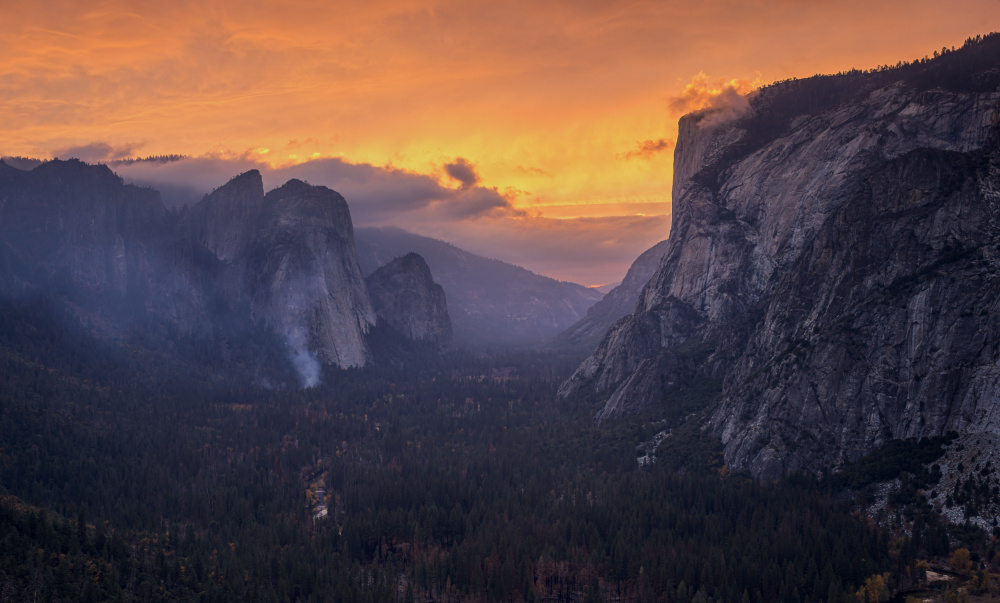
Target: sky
[{"x": 536, "y": 132}]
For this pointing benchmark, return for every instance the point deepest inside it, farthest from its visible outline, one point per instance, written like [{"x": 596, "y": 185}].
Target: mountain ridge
[{"x": 236, "y": 262}]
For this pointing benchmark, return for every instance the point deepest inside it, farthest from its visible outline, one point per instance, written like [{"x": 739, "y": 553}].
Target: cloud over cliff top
[{"x": 721, "y": 100}]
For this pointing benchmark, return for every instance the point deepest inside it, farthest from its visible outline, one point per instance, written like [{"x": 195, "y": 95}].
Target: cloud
[
  {"x": 387, "y": 196},
  {"x": 534, "y": 171},
  {"x": 186, "y": 181},
  {"x": 648, "y": 148},
  {"x": 728, "y": 106},
  {"x": 720, "y": 100},
  {"x": 378, "y": 196},
  {"x": 479, "y": 219},
  {"x": 96, "y": 152},
  {"x": 22, "y": 163},
  {"x": 463, "y": 171}
]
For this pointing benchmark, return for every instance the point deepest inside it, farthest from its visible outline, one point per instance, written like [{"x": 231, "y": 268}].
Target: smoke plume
[{"x": 305, "y": 362}]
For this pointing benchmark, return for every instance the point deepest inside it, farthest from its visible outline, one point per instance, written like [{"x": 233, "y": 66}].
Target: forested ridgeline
[{"x": 460, "y": 478}]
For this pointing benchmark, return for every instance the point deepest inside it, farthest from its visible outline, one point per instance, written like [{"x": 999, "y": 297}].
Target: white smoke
[
  {"x": 295, "y": 295},
  {"x": 305, "y": 362}
]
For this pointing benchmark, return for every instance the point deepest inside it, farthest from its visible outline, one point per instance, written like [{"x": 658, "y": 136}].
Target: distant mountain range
[{"x": 490, "y": 302}]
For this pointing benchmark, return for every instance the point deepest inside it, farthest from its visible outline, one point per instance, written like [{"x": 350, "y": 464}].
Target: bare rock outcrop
[
  {"x": 491, "y": 303},
  {"x": 227, "y": 219},
  {"x": 289, "y": 258}
]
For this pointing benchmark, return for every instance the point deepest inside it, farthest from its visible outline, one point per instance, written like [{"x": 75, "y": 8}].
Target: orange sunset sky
[{"x": 535, "y": 132}]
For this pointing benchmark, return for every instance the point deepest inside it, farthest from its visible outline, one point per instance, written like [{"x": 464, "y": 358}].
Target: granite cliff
[
  {"x": 830, "y": 264},
  {"x": 898, "y": 337},
  {"x": 404, "y": 294},
  {"x": 304, "y": 275},
  {"x": 289, "y": 258}
]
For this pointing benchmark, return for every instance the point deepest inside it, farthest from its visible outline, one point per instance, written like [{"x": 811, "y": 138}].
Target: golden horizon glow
[{"x": 567, "y": 109}]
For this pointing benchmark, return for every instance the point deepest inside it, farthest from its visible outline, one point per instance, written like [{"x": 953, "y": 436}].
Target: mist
[
  {"x": 305, "y": 362},
  {"x": 479, "y": 219}
]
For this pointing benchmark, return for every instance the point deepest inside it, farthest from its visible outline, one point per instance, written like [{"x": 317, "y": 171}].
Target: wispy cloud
[
  {"x": 648, "y": 148},
  {"x": 97, "y": 152},
  {"x": 378, "y": 195}
]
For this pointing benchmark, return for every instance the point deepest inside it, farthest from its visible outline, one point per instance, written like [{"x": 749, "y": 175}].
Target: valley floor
[{"x": 453, "y": 478}]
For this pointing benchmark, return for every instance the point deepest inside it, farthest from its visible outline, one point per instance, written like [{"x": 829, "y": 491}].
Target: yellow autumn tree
[
  {"x": 960, "y": 561},
  {"x": 874, "y": 590}
]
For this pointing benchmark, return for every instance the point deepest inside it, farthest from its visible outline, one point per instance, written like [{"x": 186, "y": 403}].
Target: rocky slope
[
  {"x": 830, "y": 261},
  {"x": 227, "y": 219},
  {"x": 490, "y": 302},
  {"x": 405, "y": 295},
  {"x": 618, "y": 303}
]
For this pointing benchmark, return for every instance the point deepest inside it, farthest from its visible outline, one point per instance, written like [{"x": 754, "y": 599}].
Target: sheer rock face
[
  {"x": 405, "y": 295},
  {"x": 226, "y": 220},
  {"x": 898, "y": 336},
  {"x": 618, "y": 303},
  {"x": 790, "y": 227},
  {"x": 289, "y": 257},
  {"x": 305, "y": 280}
]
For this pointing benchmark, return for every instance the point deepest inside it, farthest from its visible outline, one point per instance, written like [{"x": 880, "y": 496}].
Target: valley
[
  {"x": 794, "y": 397},
  {"x": 440, "y": 484}
]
